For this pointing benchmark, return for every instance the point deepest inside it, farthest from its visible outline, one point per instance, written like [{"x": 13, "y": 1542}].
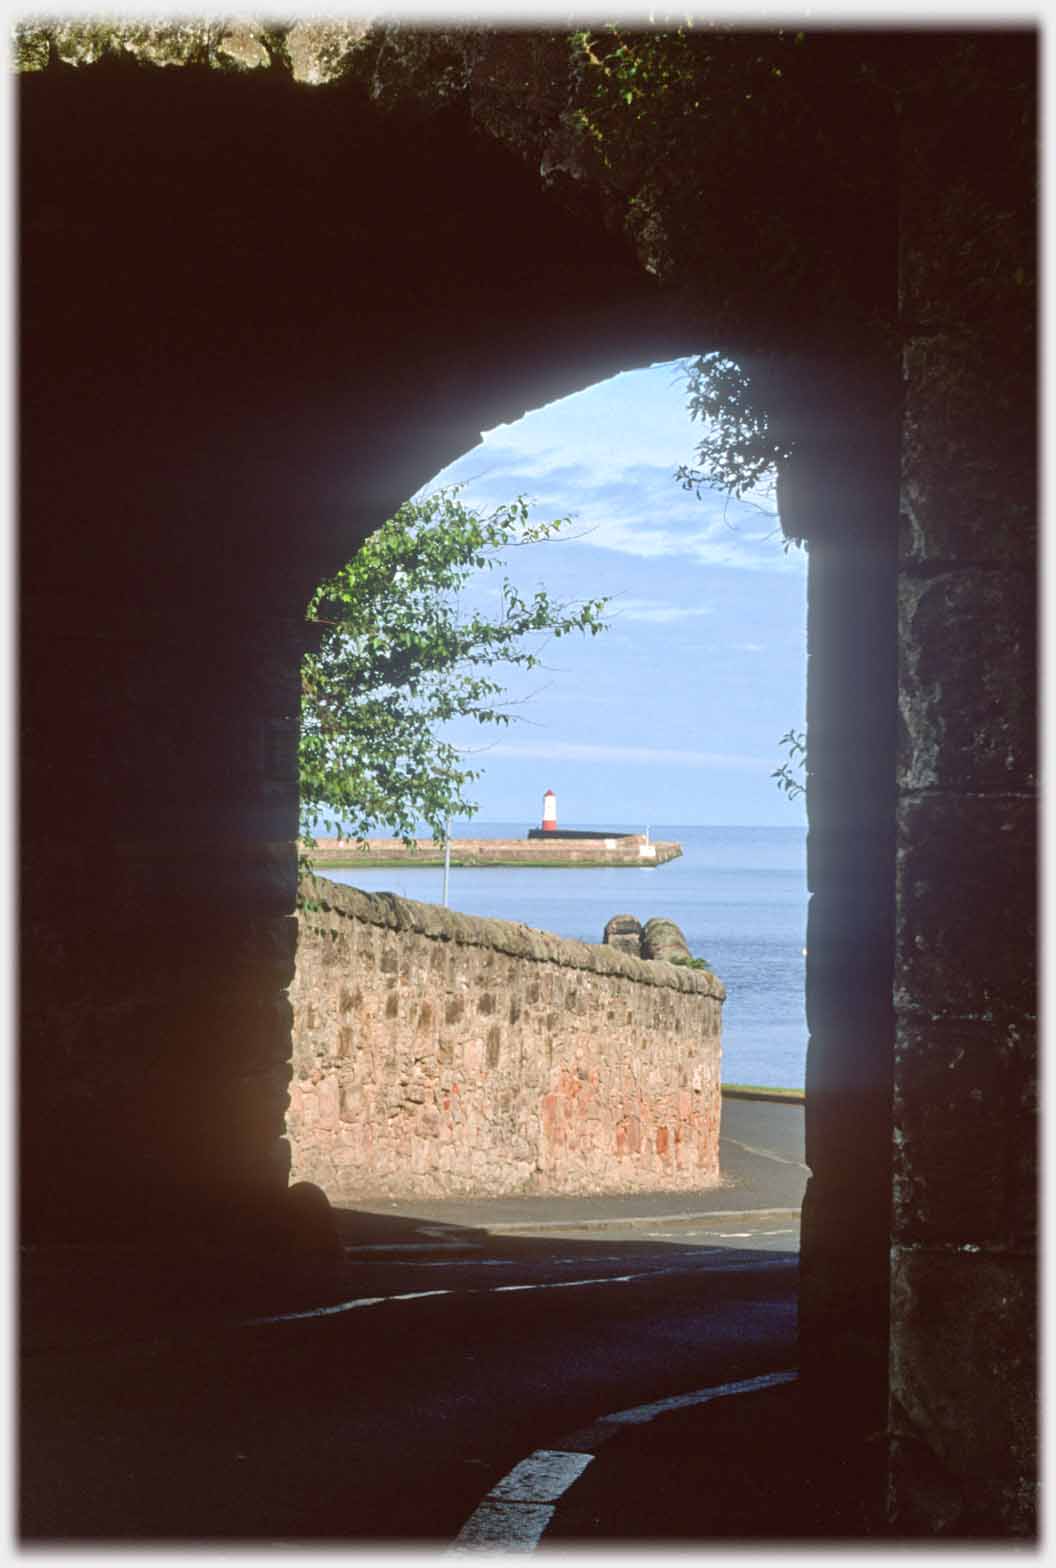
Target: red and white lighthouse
[{"x": 549, "y": 812}]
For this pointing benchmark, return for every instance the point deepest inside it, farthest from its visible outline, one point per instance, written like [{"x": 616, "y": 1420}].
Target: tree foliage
[
  {"x": 397, "y": 661},
  {"x": 739, "y": 450}
]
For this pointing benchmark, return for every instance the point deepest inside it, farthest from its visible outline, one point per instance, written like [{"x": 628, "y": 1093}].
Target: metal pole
[{"x": 447, "y": 856}]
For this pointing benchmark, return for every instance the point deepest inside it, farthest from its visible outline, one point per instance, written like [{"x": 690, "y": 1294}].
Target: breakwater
[
  {"x": 438, "y": 1055},
  {"x": 629, "y": 849}
]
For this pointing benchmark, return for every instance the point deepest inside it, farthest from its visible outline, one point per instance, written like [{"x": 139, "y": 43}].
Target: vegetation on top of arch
[{"x": 756, "y": 172}]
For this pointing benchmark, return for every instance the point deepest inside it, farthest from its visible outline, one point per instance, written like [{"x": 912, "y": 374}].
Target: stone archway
[{"x": 215, "y": 406}]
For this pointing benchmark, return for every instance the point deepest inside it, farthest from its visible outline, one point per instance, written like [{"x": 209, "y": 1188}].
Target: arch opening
[{"x": 667, "y": 723}]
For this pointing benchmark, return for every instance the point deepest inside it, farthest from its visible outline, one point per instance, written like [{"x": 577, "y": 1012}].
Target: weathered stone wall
[
  {"x": 963, "y": 1376},
  {"x": 438, "y": 1054}
]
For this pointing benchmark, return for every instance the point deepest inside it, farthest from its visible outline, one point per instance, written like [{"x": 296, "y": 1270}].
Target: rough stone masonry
[{"x": 437, "y": 1054}]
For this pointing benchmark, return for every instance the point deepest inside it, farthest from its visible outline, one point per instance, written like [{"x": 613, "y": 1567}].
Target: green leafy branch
[
  {"x": 397, "y": 661},
  {"x": 789, "y": 775}
]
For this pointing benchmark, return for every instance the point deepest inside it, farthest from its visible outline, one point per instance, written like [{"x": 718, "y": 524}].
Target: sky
[{"x": 674, "y": 715}]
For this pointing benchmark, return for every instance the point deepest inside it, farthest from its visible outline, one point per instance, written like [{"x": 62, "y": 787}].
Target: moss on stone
[{"x": 30, "y": 47}]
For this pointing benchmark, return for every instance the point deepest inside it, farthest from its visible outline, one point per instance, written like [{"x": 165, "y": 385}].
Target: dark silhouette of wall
[
  {"x": 217, "y": 407},
  {"x": 963, "y": 1375}
]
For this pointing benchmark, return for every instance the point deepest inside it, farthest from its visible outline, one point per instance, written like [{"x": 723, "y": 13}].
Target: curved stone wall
[{"x": 438, "y": 1054}]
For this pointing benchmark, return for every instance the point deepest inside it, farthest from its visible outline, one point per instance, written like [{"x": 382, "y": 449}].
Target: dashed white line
[
  {"x": 317, "y": 1312},
  {"x": 339, "y": 1307},
  {"x": 420, "y": 1295},
  {"x": 565, "y": 1284},
  {"x": 347, "y": 1306}
]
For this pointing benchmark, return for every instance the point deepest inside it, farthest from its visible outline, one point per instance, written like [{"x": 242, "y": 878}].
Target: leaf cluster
[
  {"x": 739, "y": 451},
  {"x": 692, "y": 963},
  {"x": 398, "y": 660},
  {"x": 789, "y": 775}
]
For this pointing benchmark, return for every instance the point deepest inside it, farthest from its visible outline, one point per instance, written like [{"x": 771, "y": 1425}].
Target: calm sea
[{"x": 739, "y": 895}]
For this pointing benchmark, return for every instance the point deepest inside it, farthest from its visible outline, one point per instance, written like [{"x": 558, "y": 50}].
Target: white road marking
[
  {"x": 638, "y": 1414},
  {"x": 766, "y": 1154},
  {"x": 564, "y": 1284},
  {"x": 339, "y": 1307},
  {"x": 506, "y": 1527},
  {"x": 316, "y": 1312},
  {"x": 498, "y": 1263},
  {"x": 542, "y": 1477},
  {"x": 515, "y": 1514},
  {"x": 342, "y": 1306},
  {"x": 419, "y": 1295},
  {"x": 408, "y": 1246},
  {"x": 501, "y": 1228},
  {"x": 469, "y": 1263}
]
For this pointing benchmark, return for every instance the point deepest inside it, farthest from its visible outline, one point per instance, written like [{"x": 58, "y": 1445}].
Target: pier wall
[
  {"x": 437, "y": 1055},
  {"x": 627, "y": 849}
]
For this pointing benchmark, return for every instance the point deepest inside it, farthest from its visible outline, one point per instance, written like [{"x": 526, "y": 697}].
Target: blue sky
[{"x": 674, "y": 714}]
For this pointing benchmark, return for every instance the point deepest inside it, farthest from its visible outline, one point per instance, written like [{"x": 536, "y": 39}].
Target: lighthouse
[{"x": 549, "y": 812}]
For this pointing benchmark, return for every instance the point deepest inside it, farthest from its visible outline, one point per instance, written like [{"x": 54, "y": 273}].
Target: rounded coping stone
[{"x": 510, "y": 937}]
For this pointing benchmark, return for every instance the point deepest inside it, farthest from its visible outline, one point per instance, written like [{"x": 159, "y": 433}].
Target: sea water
[{"x": 739, "y": 895}]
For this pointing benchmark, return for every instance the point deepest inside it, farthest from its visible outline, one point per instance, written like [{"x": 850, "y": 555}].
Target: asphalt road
[
  {"x": 447, "y": 1352},
  {"x": 757, "y": 1203}
]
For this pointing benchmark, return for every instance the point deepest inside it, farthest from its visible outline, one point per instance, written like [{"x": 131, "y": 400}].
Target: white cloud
[
  {"x": 654, "y": 610},
  {"x": 608, "y": 456},
  {"x": 750, "y": 647},
  {"x": 574, "y": 751},
  {"x": 638, "y": 416},
  {"x": 713, "y": 545}
]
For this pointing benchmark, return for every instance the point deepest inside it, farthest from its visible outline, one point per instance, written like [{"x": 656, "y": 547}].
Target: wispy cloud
[
  {"x": 654, "y": 610},
  {"x": 608, "y": 456},
  {"x": 574, "y": 751},
  {"x": 635, "y": 510}
]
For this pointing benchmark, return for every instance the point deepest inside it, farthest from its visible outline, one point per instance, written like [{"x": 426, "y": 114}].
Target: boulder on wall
[{"x": 661, "y": 938}]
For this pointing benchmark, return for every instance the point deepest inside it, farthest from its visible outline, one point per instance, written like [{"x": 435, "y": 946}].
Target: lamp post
[{"x": 447, "y": 857}]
